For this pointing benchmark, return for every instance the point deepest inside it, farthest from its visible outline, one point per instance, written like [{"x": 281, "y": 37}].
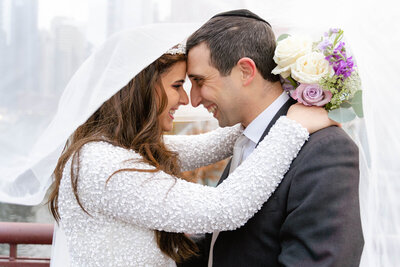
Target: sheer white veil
[
  {"x": 105, "y": 72},
  {"x": 371, "y": 31}
]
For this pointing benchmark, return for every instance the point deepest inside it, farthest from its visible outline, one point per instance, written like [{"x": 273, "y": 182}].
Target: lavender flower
[
  {"x": 286, "y": 84},
  {"x": 340, "y": 49},
  {"x": 341, "y": 64},
  {"x": 334, "y": 30},
  {"x": 324, "y": 44},
  {"x": 344, "y": 68}
]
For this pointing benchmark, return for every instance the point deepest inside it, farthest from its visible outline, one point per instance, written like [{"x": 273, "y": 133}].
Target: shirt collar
[{"x": 257, "y": 127}]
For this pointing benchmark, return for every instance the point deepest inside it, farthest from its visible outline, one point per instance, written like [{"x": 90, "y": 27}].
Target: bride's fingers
[{"x": 311, "y": 118}]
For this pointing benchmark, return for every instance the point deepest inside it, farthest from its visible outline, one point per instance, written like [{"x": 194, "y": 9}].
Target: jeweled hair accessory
[{"x": 178, "y": 49}]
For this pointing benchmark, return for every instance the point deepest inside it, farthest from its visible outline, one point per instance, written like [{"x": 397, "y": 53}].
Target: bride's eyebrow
[{"x": 180, "y": 81}]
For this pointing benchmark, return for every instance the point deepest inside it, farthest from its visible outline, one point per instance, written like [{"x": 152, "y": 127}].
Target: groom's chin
[{"x": 225, "y": 125}]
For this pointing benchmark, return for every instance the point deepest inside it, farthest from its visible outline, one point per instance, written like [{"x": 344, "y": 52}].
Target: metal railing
[{"x": 16, "y": 234}]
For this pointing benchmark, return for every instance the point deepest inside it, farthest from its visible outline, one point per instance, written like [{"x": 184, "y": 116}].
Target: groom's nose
[{"x": 195, "y": 97}]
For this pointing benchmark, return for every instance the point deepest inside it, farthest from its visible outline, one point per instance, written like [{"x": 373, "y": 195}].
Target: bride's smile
[{"x": 172, "y": 83}]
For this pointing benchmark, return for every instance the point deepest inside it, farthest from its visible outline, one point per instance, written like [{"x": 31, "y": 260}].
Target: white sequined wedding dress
[{"x": 125, "y": 212}]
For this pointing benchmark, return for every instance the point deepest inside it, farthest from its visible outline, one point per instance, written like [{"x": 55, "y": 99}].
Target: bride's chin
[{"x": 168, "y": 127}]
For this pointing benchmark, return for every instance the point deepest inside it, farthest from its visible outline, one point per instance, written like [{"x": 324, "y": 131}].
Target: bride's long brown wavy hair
[{"x": 129, "y": 119}]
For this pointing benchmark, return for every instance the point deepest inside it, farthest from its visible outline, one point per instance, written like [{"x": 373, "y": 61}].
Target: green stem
[
  {"x": 338, "y": 38},
  {"x": 293, "y": 82}
]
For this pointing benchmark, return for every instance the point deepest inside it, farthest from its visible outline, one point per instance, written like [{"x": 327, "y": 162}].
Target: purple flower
[
  {"x": 340, "y": 48},
  {"x": 333, "y": 30},
  {"x": 341, "y": 64},
  {"x": 286, "y": 84},
  {"x": 311, "y": 95},
  {"x": 324, "y": 44},
  {"x": 344, "y": 68},
  {"x": 287, "y": 87}
]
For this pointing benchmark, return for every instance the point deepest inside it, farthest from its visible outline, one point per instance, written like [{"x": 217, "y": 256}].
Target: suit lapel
[
  {"x": 225, "y": 173},
  {"x": 282, "y": 111}
]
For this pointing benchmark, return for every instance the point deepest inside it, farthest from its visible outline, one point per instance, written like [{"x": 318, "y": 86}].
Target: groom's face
[{"x": 220, "y": 95}]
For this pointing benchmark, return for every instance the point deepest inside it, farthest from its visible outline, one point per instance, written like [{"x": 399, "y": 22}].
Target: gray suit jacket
[{"x": 313, "y": 217}]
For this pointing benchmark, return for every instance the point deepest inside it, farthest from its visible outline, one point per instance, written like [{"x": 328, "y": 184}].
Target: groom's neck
[{"x": 260, "y": 100}]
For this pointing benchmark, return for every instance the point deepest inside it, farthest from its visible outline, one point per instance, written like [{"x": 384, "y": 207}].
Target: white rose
[
  {"x": 311, "y": 68},
  {"x": 288, "y": 51}
]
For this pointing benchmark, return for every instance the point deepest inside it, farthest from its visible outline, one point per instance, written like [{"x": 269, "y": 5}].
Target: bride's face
[{"x": 172, "y": 82}]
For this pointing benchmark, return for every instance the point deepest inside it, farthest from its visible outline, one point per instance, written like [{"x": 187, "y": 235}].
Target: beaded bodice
[{"x": 125, "y": 211}]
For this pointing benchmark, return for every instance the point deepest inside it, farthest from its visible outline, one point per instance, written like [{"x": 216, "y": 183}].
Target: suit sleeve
[{"x": 323, "y": 226}]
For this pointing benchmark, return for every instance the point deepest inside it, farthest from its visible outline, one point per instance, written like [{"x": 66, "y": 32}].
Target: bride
[{"x": 118, "y": 192}]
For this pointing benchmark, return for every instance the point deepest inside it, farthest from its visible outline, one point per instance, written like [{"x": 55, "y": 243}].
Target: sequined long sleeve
[
  {"x": 156, "y": 200},
  {"x": 203, "y": 149}
]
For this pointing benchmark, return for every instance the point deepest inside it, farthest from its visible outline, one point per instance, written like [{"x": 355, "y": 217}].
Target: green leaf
[
  {"x": 282, "y": 37},
  {"x": 345, "y": 105},
  {"x": 356, "y": 103},
  {"x": 342, "y": 115}
]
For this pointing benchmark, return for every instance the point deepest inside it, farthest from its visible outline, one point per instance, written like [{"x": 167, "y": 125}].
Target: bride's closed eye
[{"x": 177, "y": 85}]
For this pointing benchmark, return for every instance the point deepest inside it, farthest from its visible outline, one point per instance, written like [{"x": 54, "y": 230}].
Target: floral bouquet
[{"x": 320, "y": 74}]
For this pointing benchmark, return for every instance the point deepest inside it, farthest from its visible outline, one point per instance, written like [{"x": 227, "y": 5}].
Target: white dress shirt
[{"x": 257, "y": 127}]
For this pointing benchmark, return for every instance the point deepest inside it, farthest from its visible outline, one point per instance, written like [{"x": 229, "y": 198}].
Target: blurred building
[
  {"x": 122, "y": 14},
  {"x": 69, "y": 49},
  {"x": 24, "y": 40},
  {"x": 4, "y": 49}
]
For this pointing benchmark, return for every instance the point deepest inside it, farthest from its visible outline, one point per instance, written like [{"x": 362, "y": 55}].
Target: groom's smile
[
  {"x": 217, "y": 93},
  {"x": 212, "y": 109}
]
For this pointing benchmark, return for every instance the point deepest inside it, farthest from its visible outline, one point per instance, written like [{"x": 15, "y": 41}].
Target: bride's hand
[{"x": 311, "y": 118}]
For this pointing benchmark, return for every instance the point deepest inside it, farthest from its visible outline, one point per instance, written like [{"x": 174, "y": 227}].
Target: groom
[{"x": 313, "y": 218}]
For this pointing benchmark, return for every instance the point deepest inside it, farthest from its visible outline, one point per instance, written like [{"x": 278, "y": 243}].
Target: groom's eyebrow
[{"x": 195, "y": 76}]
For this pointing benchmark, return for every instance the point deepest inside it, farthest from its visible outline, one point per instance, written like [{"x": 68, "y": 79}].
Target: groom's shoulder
[
  {"x": 329, "y": 132},
  {"x": 330, "y": 137}
]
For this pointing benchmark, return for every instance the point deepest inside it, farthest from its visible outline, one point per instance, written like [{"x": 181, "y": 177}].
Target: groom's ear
[{"x": 247, "y": 69}]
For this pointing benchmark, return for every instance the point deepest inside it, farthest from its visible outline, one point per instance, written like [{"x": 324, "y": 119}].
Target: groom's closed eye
[{"x": 196, "y": 79}]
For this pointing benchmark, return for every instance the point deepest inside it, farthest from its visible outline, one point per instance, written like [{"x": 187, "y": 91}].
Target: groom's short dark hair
[{"x": 231, "y": 36}]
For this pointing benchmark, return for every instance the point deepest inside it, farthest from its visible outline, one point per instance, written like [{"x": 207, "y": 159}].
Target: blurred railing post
[
  {"x": 15, "y": 234},
  {"x": 13, "y": 252}
]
